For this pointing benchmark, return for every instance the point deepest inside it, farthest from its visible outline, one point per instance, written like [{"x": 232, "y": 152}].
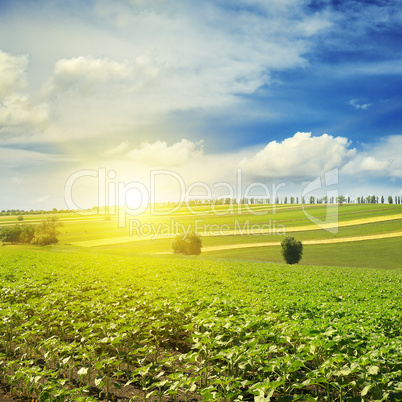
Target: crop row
[{"x": 94, "y": 327}]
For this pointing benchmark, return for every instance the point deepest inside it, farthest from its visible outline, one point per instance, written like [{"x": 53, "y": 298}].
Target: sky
[{"x": 120, "y": 100}]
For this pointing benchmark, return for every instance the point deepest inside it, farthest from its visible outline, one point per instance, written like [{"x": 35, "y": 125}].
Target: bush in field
[
  {"x": 11, "y": 234},
  {"x": 179, "y": 245},
  {"x": 20, "y": 218},
  {"x": 27, "y": 233},
  {"x": 292, "y": 250},
  {"x": 46, "y": 232},
  {"x": 187, "y": 244}
]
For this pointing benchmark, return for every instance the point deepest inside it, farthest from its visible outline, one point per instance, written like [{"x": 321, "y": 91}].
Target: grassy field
[
  {"x": 104, "y": 316},
  {"x": 101, "y": 235}
]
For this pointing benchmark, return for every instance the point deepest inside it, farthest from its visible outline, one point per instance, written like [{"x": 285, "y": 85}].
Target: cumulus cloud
[
  {"x": 365, "y": 164},
  {"x": 299, "y": 156},
  {"x": 19, "y": 114},
  {"x": 12, "y": 73},
  {"x": 18, "y": 111},
  {"x": 383, "y": 159},
  {"x": 86, "y": 74},
  {"x": 161, "y": 154}
]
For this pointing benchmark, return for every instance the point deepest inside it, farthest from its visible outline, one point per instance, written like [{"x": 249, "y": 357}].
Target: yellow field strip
[
  {"x": 110, "y": 241},
  {"x": 254, "y": 231}
]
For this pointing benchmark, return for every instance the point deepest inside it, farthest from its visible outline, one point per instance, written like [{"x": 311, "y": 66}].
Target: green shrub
[
  {"x": 292, "y": 250},
  {"x": 46, "y": 232},
  {"x": 43, "y": 239},
  {"x": 27, "y": 233},
  {"x": 11, "y": 234},
  {"x": 187, "y": 244}
]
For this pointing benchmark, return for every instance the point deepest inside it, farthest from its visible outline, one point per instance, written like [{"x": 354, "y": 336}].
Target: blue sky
[{"x": 284, "y": 90}]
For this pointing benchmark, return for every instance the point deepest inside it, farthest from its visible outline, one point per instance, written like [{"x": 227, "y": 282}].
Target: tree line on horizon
[{"x": 370, "y": 199}]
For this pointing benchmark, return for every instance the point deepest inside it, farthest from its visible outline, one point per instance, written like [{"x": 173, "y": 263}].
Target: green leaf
[
  {"x": 99, "y": 382},
  {"x": 365, "y": 390},
  {"x": 82, "y": 371}
]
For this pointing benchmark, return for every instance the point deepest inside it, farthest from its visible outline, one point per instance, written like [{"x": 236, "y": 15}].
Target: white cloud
[
  {"x": 355, "y": 103},
  {"x": 18, "y": 111},
  {"x": 299, "y": 156},
  {"x": 160, "y": 154},
  {"x": 383, "y": 159},
  {"x": 12, "y": 73},
  {"x": 19, "y": 114},
  {"x": 86, "y": 74},
  {"x": 363, "y": 163}
]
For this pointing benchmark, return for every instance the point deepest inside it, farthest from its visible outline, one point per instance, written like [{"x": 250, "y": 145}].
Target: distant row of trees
[
  {"x": 20, "y": 212},
  {"x": 43, "y": 234},
  {"x": 371, "y": 199}
]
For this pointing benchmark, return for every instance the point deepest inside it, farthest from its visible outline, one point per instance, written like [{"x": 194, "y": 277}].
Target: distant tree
[
  {"x": 292, "y": 250},
  {"x": 46, "y": 232},
  {"x": 187, "y": 244},
  {"x": 285, "y": 201},
  {"x": 389, "y": 199},
  {"x": 382, "y": 199},
  {"x": 312, "y": 200},
  {"x": 292, "y": 200},
  {"x": 341, "y": 199},
  {"x": 20, "y": 218}
]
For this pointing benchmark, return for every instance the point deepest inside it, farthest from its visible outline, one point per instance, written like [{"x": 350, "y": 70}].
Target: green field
[{"x": 123, "y": 322}]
